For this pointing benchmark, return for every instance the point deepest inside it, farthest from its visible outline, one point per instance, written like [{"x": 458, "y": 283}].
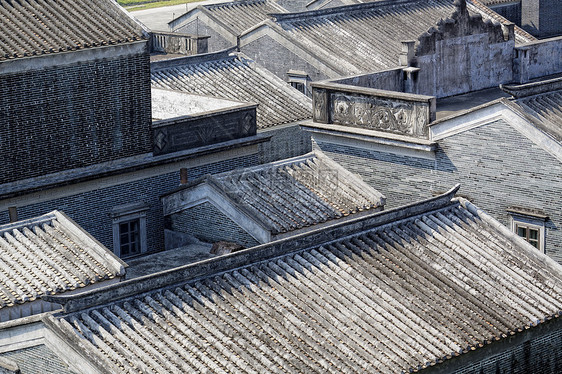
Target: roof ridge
[
  {"x": 47, "y": 217},
  {"x": 279, "y": 17},
  {"x": 206, "y": 268}
]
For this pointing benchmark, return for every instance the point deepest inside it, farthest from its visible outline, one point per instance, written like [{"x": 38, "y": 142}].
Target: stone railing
[
  {"x": 372, "y": 109},
  {"x": 177, "y": 43}
]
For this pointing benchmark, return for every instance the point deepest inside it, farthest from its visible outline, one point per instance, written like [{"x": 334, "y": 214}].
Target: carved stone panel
[
  {"x": 320, "y": 105},
  {"x": 374, "y": 113}
]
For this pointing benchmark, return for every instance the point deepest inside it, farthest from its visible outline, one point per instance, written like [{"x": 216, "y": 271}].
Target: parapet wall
[
  {"x": 182, "y": 133},
  {"x": 387, "y": 111},
  {"x": 537, "y": 59}
]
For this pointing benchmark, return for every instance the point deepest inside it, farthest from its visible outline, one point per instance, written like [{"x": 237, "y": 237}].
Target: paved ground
[
  {"x": 455, "y": 104},
  {"x": 157, "y": 19},
  {"x": 168, "y": 259}
]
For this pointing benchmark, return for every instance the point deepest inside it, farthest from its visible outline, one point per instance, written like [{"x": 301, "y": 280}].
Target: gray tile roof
[
  {"x": 367, "y": 37},
  {"x": 240, "y": 15},
  {"x": 546, "y": 110},
  {"x": 39, "y": 27},
  {"x": 235, "y": 77},
  {"x": 49, "y": 255},
  {"x": 298, "y": 192},
  {"x": 416, "y": 286}
]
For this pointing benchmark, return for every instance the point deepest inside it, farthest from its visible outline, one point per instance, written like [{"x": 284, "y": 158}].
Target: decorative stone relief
[
  {"x": 160, "y": 139},
  {"x": 400, "y": 117},
  {"x": 247, "y": 124},
  {"x": 320, "y": 105}
]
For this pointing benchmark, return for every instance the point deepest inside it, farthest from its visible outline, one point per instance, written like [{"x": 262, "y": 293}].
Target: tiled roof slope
[
  {"x": 240, "y": 15},
  {"x": 546, "y": 110},
  {"x": 39, "y": 27},
  {"x": 299, "y": 192},
  {"x": 235, "y": 77},
  {"x": 49, "y": 255},
  {"x": 366, "y": 36},
  {"x": 399, "y": 296}
]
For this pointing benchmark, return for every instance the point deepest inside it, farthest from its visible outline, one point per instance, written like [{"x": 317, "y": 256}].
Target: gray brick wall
[
  {"x": 37, "y": 360},
  {"x": 286, "y": 142},
  {"x": 541, "y": 355},
  {"x": 216, "y": 42},
  {"x": 91, "y": 209},
  {"x": 279, "y": 60},
  {"x": 207, "y": 223},
  {"x": 72, "y": 116},
  {"x": 511, "y": 11},
  {"x": 496, "y": 166},
  {"x": 402, "y": 179}
]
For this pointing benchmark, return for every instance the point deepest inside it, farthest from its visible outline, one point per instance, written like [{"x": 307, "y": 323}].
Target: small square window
[
  {"x": 529, "y": 225},
  {"x": 129, "y": 229},
  {"x": 530, "y": 234}
]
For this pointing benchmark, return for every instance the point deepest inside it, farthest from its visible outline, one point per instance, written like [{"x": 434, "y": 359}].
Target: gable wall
[
  {"x": 216, "y": 42},
  {"x": 276, "y": 58},
  {"x": 496, "y": 166},
  {"x": 209, "y": 224}
]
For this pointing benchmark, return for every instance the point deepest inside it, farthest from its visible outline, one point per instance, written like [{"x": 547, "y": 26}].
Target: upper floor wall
[{"x": 74, "y": 109}]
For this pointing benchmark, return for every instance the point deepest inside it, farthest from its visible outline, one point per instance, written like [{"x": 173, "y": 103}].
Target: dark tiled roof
[
  {"x": 50, "y": 255},
  {"x": 367, "y": 37},
  {"x": 299, "y": 192},
  {"x": 38, "y": 27},
  {"x": 546, "y": 109},
  {"x": 237, "y": 78},
  {"x": 240, "y": 15},
  {"x": 396, "y": 297}
]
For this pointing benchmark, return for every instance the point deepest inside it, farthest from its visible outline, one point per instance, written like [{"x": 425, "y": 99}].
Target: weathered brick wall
[
  {"x": 496, "y": 166},
  {"x": 72, "y": 116},
  {"x": 279, "y": 60},
  {"x": 91, "y": 209},
  {"x": 207, "y": 223},
  {"x": 286, "y": 142},
  {"x": 216, "y": 42}
]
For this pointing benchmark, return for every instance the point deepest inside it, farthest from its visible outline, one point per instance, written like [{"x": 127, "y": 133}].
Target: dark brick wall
[
  {"x": 73, "y": 116},
  {"x": 91, "y": 209},
  {"x": 542, "y": 355},
  {"x": 286, "y": 142},
  {"x": 496, "y": 166},
  {"x": 207, "y": 223},
  {"x": 510, "y": 11}
]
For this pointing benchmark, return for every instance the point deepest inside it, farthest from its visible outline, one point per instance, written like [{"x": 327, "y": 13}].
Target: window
[
  {"x": 129, "y": 237},
  {"x": 298, "y": 79},
  {"x": 299, "y": 86},
  {"x": 129, "y": 229},
  {"x": 529, "y": 224},
  {"x": 529, "y": 233}
]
